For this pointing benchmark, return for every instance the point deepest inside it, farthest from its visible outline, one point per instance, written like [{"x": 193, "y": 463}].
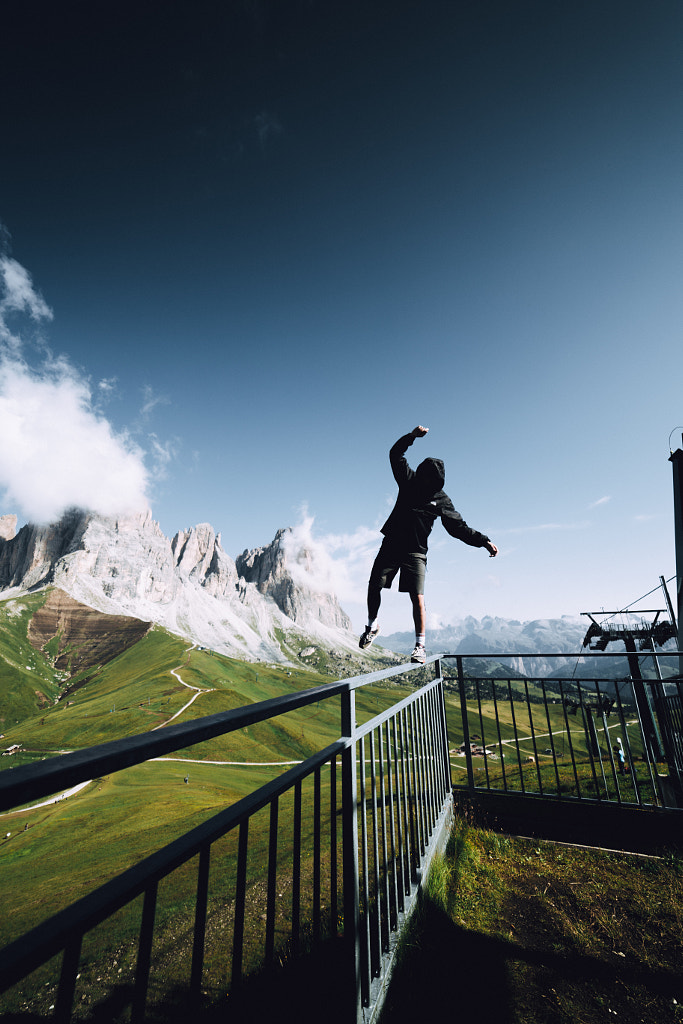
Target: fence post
[
  {"x": 351, "y": 994},
  {"x": 448, "y": 778},
  {"x": 465, "y": 725}
]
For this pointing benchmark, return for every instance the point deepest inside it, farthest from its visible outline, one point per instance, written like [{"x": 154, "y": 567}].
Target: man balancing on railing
[{"x": 420, "y": 502}]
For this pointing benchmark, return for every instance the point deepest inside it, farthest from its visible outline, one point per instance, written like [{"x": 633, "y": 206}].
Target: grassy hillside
[
  {"x": 137, "y": 692},
  {"x": 67, "y": 848},
  {"x": 28, "y": 681}
]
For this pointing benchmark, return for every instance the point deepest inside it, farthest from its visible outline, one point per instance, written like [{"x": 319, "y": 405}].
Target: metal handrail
[{"x": 38, "y": 945}]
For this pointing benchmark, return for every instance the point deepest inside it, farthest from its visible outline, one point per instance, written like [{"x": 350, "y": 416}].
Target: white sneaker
[{"x": 419, "y": 655}]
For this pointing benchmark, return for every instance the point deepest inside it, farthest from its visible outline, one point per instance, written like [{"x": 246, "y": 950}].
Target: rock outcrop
[
  {"x": 8, "y": 527},
  {"x": 85, "y": 637}
]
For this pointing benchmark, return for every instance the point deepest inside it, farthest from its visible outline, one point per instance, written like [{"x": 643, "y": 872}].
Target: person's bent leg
[{"x": 381, "y": 576}]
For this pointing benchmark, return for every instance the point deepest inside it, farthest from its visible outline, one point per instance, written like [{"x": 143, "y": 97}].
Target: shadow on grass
[
  {"x": 308, "y": 989},
  {"x": 446, "y": 966},
  {"x": 442, "y": 965}
]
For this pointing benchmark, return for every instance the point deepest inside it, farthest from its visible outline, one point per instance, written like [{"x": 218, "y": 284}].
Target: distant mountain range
[
  {"x": 493, "y": 637},
  {"x": 260, "y": 608}
]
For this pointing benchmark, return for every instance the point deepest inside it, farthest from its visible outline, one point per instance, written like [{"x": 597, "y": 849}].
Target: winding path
[
  {"x": 76, "y": 789},
  {"x": 199, "y": 689}
]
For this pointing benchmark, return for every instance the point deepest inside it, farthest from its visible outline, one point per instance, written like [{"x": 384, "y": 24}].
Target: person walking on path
[{"x": 420, "y": 502}]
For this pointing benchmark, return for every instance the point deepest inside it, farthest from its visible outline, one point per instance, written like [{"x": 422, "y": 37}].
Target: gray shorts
[{"x": 389, "y": 561}]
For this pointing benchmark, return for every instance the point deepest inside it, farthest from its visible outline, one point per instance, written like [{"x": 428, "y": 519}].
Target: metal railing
[
  {"x": 573, "y": 739},
  {"x": 352, "y": 828},
  {"x": 393, "y": 794}
]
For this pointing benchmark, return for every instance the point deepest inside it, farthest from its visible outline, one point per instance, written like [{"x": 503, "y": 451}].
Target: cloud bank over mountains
[{"x": 58, "y": 450}]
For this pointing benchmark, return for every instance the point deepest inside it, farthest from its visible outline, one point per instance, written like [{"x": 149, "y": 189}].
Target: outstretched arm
[
  {"x": 456, "y": 526},
  {"x": 399, "y": 465}
]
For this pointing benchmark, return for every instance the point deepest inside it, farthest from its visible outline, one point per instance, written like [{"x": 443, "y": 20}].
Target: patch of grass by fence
[{"x": 543, "y": 932}]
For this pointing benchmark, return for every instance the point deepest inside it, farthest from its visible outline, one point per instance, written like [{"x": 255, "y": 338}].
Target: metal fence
[
  {"x": 364, "y": 816},
  {"x": 350, "y": 831},
  {"x": 574, "y": 739}
]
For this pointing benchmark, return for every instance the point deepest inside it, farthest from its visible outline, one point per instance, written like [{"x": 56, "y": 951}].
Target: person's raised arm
[{"x": 399, "y": 464}]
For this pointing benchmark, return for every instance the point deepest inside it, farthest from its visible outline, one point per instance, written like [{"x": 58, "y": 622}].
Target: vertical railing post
[
  {"x": 350, "y": 857},
  {"x": 272, "y": 881},
  {"x": 296, "y": 870},
  {"x": 448, "y": 780},
  {"x": 240, "y": 906},
  {"x": 465, "y": 725},
  {"x": 137, "y": 1013}
]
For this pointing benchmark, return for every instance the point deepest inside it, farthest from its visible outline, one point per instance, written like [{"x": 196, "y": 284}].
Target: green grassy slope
[
  {"x": 28, "y": 681},
  {"x": 66, "y": 849}
]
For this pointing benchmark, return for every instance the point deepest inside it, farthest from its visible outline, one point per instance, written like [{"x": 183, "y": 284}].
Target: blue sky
[{"x": 274, "y": 236}]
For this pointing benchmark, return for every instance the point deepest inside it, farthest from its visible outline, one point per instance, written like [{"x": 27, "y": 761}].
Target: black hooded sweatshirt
[{"x": 421, "y": 501}]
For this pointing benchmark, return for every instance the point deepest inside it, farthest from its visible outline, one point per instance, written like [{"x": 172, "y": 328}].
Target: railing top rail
[
  {"x": 32, "y": 781},
  {"x": 395, "y": 709},
  {"x": 584, "y": 653}
]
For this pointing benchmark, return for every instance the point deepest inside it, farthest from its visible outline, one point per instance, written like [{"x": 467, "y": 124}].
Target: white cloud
[
  {"x": 434, "y": 621},
  {"x": 544, "y": 527},
  {"x": 19, "y": 293},
  {"x": 18, "y": 296},
  {"x": 162, "y": 454},
  {"x": 107, "y": 386},
  {"x": 56, "y": 448},
  {"x": 57, "y": 452},
  {"x": 150, "y": 401},
  {"x": 601, "y": 501}
]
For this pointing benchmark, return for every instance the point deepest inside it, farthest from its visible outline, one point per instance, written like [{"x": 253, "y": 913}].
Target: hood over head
[{"x": 430, "y": 475}]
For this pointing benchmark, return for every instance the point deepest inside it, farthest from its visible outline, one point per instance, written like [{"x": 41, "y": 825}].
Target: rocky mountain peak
[
  {"x": 198, "y": 554},
  {"x": 190, "y": 585},
  {"x": 287, "y": 573}
]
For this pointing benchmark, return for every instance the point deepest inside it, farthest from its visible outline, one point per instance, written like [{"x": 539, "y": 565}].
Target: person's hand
[
  {"x": 491, "y": 548},
  {"x": 420, "y": 431}
]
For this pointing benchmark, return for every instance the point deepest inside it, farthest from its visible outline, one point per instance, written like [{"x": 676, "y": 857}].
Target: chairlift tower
[
  {"x": 647, "y": 636},
  {"x": 601, "y": 705}
]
